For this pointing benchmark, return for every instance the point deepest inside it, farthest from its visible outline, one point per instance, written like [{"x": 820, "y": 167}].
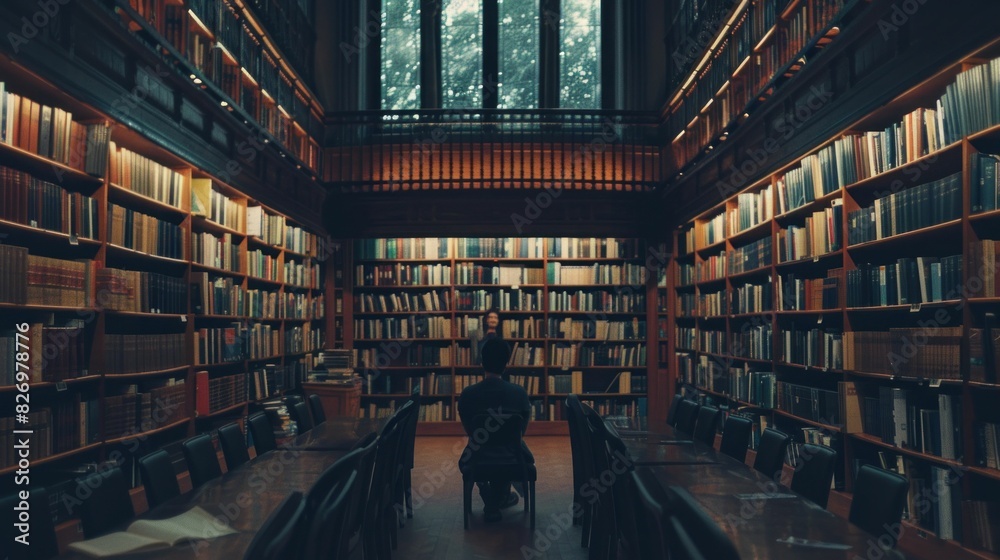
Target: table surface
[
  {"x": 754, "y": 511},
  {"x": 336, "y": 433},
  {"x": 245, "y": 497}
]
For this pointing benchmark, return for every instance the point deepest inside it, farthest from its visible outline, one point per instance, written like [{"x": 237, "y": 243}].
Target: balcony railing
[{"x": 493, "y": 149}]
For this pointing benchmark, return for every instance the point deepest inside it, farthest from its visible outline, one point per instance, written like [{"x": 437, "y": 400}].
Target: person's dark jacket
[{"x": 496, "y": 395}]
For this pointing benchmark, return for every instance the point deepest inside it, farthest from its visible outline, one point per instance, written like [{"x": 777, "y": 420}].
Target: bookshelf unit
[
  {"x": 410, "y": 318},
  {"x": 112, "y": 267},
  {"x": 876, "y": 337}
]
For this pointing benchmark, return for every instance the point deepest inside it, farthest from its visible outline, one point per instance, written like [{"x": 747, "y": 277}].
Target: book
[{"x": 153, "y": 534}]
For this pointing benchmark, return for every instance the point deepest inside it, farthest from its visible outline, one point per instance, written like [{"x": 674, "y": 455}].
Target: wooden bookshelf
[{"x": 833, "y": 318}]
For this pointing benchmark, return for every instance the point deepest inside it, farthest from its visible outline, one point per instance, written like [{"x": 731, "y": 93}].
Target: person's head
[
  {"x": 491, "y": 319},
  {"x": 495, "y": 355}
]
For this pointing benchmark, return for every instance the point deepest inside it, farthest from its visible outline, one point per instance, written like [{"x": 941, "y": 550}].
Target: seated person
[{"x": 501, "y": 397}]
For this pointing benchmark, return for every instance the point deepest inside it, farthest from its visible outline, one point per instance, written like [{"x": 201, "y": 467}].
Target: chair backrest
[
  {"x": 813, "y": 476},
  {"x": 107, "y": 504},
  {"x": 622, "y": 491},
  {"x": 202, "y": 460},
  {"x": 707, "y": 425},
  {"x": 771, "y": 453},
  {"x": 365, "y": 469},
  {"x": 579, "y": 440},
  {"x": 42, "y": 543},
  {"x": 672, "y": 411},
  {"x": 501, "y": 431},
  {"x": 711, "y": 541},
  {"x": 651, "y": 513},
  {"x": 879, "y": 497},
  {"x": 274, "y": 539},
  {"x": 328, "y": 528},
  {"x": 300, "y": 414},
  {"x": 316, "y": 406},
  {"x": 328, "y": 480},
  {"x": 680, "y": 545},
  {"x": 736, "y": 437},
  {"x": 262, "y": 433},
  {"x": 159, "y": 480},
  {"x": 234, "y": 445},
  {"x": 687, "y": 415},
  {"x": 409, "y": 435}
]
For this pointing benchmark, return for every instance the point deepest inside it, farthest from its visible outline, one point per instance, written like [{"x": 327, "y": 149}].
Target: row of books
[
  {"x": 217, "y": 251},
  {"x": 620, "y": 274},
  {"x": 922, "y": 206},
  {"x": 816, "y": 176},
  {"x": 983, "y": 265},
  {"x": 301, "y": 241},
  {"x": 624, "y": 382},
  {"x": 752, "y": 208},
  {"x": 220, "y": 344},
  {"x": 624, "y": 301},
  {"x": 820, "y": 348},
  {"x": 500, "y": 247},
  {"x": 988, "y": 445},
  {"x": 713, "y": 304},
  {"x": 216, "y": 296},
  {"x": 713, "y": 230},
  {"x": 212, "y": 204},
  {"x": 133, "y": 412},
  {"x": 303, "y": 339},
  {"x": 304, "y": 274},
  {"x": 578, "y": 354},
  {"x": 261, "y": 341},
  {"x": 809, "y": 294},
  {"x": 140, "y": 292},
  {"x": 273, "y": 379},
  {"x": 685, "y": 274},
  {"x": 138, "y": 353},
  {"x": 413, "y": 326},
  {"x": 53, "y": 352},
  {"x": 821, "y": 234},
  {"x": 753, "y": 341},
  {"x": 264, "y": 266},
  {"x": 927, "y": 353},
  {"x": 301, "y": 306},
  {"x": 984, "y": 351},
  {"x": 432, "y": 383},
  {"x": 596, "y": 329},
  {"x": 930, "y": 425},
  {"x": 907, "y": 281},
  {"x": 52, "y": 133},
  {"x": 263, "y": 304},
  {"x": 265, "y": 226},
  {"x": 594, "y": 248},
  {"x": 984, "y": 186},
  {"x": 140, "y": 174},
  {"x": 811, "y": 403},
  {"x": 409, "y": 354},
  {"x": 753, "y": 298},
  {"x": 30, "y": 201},
  {"x": 712, "y": 267},
  {"x": 43, "y": 440},
  {"x": 754, "y": 387},
  {"x": 420, "y": 248},
  {"x": 144, "y": 233},
  {"x": 687, "y": 305},
  {"x": 399, "y": 274},
  {"x": 36, "y": 280},
  {"x": 404, "y": 302},
  {"x": 213, "y": 394},
  {"x": 751, "y": 256},
  {"x": 439, "y": 411},
  {"x": 686, "y": 337},
  {"x": 510, "y": 275},
  {"x": 504, "y": 300}
]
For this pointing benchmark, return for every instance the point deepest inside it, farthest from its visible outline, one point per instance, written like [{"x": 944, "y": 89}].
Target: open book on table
[{"x": 152, "y": 534}]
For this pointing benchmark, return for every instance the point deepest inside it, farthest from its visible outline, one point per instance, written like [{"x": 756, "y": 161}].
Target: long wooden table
[
  {"x": 245, "y": 497},
  {"x": 755, "y": 512},
  {"x": 337, "y": 433}
]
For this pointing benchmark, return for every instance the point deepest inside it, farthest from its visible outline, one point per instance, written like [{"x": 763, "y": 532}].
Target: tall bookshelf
[
  {"x": 536, "y": 283},
  {"x": 845, "y": 299},
  {"x": 111, "y": 262}
]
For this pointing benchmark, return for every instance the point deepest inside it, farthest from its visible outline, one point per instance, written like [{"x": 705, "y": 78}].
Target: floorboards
[{"x": 436, "y": 530}]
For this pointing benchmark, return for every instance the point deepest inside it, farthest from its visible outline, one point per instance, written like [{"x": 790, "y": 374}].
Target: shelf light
[
  {"x": 707, "y": 105},
  {"x": 197, "y": 81},
  {"x": 224, "y": 103},
  {"x": 723, "y": 32},
  {"x": 678, "y": 137}
]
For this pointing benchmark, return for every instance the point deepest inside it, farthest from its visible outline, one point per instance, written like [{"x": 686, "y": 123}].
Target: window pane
[
  {"x": 401, "y": 54},
  {"x": 462, "y": 53},
  {"x": 580, "y": 55},
  {"x": 518, "y": 64}
]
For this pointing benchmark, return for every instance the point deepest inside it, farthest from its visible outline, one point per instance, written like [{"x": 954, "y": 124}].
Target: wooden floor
[{"x": 436, "y": 529}]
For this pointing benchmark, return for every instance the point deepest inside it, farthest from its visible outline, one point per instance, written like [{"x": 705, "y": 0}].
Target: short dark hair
[
  {"x": 495, "y": 354},
  {"x": 487, "y": 314}
]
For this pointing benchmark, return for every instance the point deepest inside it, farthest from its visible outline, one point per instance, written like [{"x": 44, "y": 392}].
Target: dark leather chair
[
  {"x": 379, "y": 523},
  {"x": 814, "y": 475},
  {"x": 107, "y": 505},
  {"x": 359, "y": 501},
  {"x": 273, "y": 541},
  {"x": 709, "y": 538},
  {"x": 327, "y": 481},
  {"x": 202, "y": 460},
  {"x": 583, "y": 463},
  {"x": 687, "y": 415},
  {"x": 614, "y": 457},
  {"x": 672, "y": 411},
  {"x": 662, "y": 534},
  {"x": 159, "y": 480},
  {"x": 299, "y": 412},
  {"x": 506, "y": 435},
  {"x": 408, "y": 441},
  {"x": 771, "y": 453},
  {"x": 234, "y": 445},
  {"x": 707, "y": 425},
  {"x": 736, "y": 437},
  {"x": 262, "y": 433},
  {"x": 316, "y": 406},
  {"x": 602, "y": 530},
  {"x": 42, "y": 543},
  {"x": 879, "y": 497},
  {"x": 328, "y": 525}
]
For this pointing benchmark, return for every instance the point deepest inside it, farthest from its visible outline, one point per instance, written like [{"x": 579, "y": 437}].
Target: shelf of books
[
  {"x": 573, "y": 311},
  {"x": 851, "y": 298},
  {"x": 140, "y": 295}
]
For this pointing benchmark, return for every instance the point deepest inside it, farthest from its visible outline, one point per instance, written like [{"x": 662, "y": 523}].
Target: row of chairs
[{"x": 300, "y": 413}]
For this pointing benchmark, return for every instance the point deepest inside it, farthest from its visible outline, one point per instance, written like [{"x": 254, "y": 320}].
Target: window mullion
[
  {"x": 548, "y": 70},
  {"x": 491, "y": 48}
]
